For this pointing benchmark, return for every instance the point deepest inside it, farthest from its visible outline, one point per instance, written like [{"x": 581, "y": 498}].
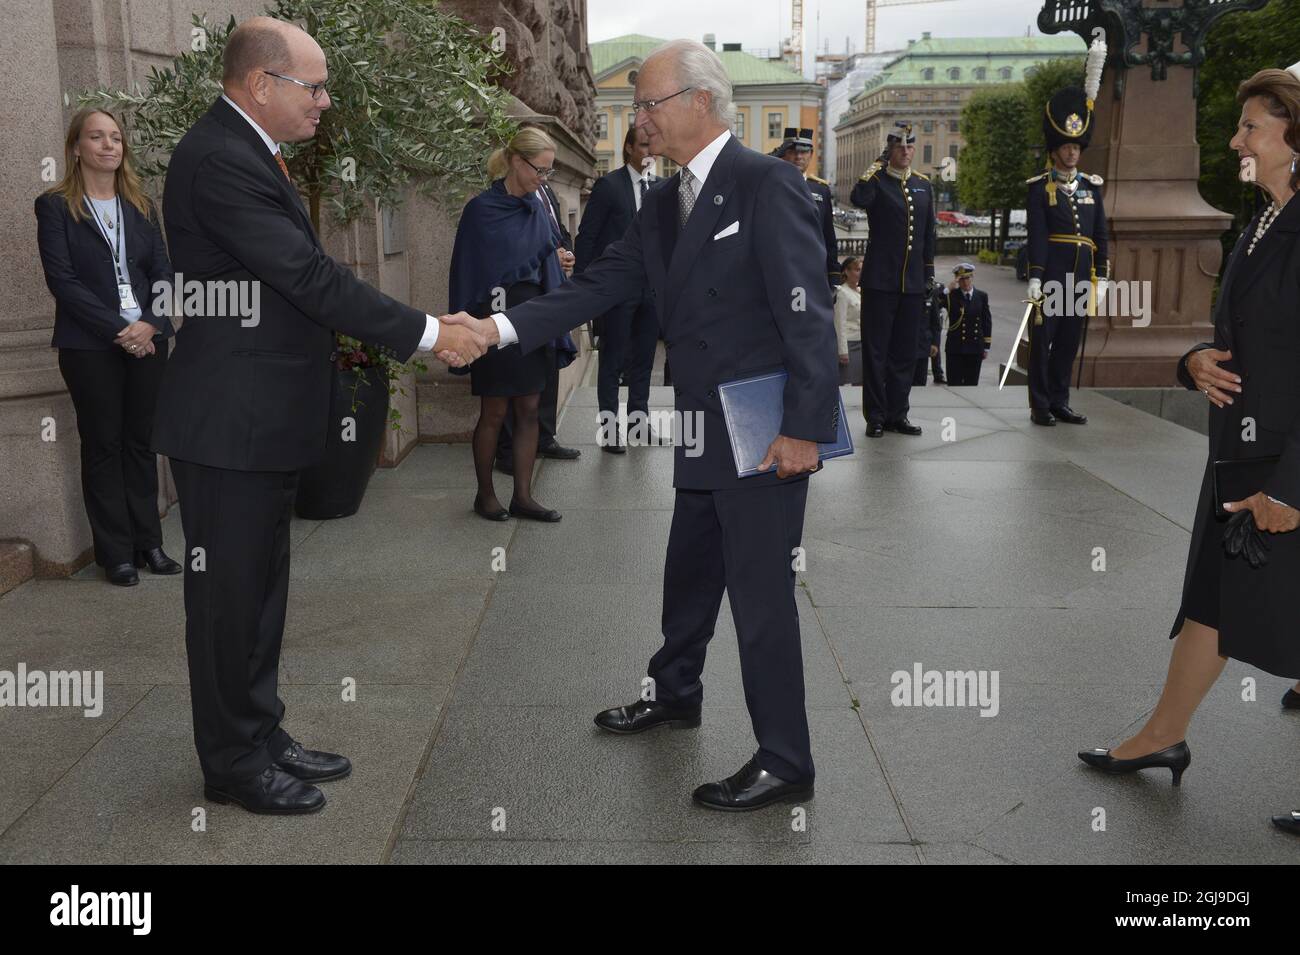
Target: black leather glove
[{"x": 1241, "y": 536}]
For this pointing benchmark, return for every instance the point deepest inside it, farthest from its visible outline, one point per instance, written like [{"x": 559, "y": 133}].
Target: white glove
[{"x": 1035, "y": 289}]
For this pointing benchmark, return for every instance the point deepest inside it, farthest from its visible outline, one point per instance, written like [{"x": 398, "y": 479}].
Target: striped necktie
[
  {"x": 279, "y": 161},
  {"x": 685, "y": 197}
]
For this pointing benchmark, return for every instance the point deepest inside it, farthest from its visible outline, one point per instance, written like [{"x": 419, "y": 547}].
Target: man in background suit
[
  {"x": 248, "y": 401},
  {"x": 729, "y": 212},
  {"x": 631, "y": 332},
  {"x": 548, "y": 405}
]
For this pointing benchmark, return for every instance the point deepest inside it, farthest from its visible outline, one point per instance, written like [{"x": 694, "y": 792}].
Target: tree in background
[
  {"x": 1239, "y": 45},
  {"x": 991, "y": 166}
]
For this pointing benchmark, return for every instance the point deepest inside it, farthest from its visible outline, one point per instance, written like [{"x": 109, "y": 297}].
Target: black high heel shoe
[{"x": 1175, "y": 758}]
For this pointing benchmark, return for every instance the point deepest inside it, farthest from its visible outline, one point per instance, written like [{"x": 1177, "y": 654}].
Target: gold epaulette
[
  {"x": 874, "y": 168},
  {"x": 819, "y": 179},
  {"x": 1093, "y": 178},
  {"x": 921, "y": 174},
  {"x": 1041, "y": 175}
]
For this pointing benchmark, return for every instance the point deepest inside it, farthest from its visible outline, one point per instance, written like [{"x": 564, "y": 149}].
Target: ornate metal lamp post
[{"x": 1163, "y": 234}]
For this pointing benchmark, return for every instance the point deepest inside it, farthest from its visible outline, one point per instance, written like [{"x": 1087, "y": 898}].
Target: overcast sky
[{"x": 762, "y": 24}]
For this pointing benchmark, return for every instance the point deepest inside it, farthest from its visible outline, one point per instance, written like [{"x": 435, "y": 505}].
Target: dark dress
[
  {"x": 1257, "y": 317},
  {"x": 505, "y": 372}
]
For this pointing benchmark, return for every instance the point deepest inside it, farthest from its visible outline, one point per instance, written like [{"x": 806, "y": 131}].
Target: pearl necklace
[{"x": 1265, "y": 221}]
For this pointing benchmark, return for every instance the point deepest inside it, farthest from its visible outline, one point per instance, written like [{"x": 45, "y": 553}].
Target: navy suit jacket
[
  {"x": 78, "y": 268},
  {"x": 611, "y": 207},
  {"x": 728, "y": 307},
  {"x": 257, "y": 397}
]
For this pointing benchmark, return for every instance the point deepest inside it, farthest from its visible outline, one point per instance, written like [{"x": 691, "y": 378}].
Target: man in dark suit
[
  {"x": 970, "y": 328},
  {"x": 797, "y": 149},
  {"x": 631, "y": 332},
  {"x": 247, "y": 402},
  {"x": 927, "y": 349},
  {"x": 729, "y": 212},
  {"x": 897, "y": 270},
  {"x": 548, "y": 405}
]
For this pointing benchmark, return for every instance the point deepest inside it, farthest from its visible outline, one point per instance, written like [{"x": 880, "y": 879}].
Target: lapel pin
[{"x": 717, "y": 200}]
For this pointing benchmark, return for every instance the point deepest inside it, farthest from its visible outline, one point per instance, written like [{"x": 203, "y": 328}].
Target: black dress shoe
[
  {"x": 940, "y": 380},
  {"x": 1291, "y": 700},
  {"x": 751, "y": 788},
  {"x": 647, "y": 714},
  {"x": 875, "y": 429},
  {"x": 1175, "y": 758},
  {"x": 1038, "y": 416},
  {"x": 159, "y": 563},
  {"x": 903, "y": 426},
  {"x": 506, "y": 467},
  {"x": 123, "y": 575},
  {"x": 273, "y": 792},
  {"x": 1069, "y": 415},
  {"x": 558, "y": 452},
  {"x": 619, "y": 448},
  {"x": 312, "y": 765},
  {"x": 1288, "y": 823},
  {"x": 543, "y": 514},
  {"x": 500, "y": 514}
]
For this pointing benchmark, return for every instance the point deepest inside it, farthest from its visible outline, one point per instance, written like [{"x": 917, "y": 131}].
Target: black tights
[{"x": 492, "y": 416}]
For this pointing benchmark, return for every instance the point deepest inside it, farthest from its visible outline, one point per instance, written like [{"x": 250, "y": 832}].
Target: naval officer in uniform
[{"x": 797, "y": 149}]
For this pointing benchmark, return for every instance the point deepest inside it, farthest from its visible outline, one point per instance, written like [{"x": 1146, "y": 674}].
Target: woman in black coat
[
  {"x": 1233, "y": 606},
  {"x": 102, "y": 253}
]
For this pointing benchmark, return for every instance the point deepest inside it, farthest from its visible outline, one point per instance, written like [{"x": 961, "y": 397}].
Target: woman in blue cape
[{"x": 506, "y": 252}]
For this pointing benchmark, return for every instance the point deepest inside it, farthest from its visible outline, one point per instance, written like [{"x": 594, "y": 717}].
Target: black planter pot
[{"x": 335, "y": 486}]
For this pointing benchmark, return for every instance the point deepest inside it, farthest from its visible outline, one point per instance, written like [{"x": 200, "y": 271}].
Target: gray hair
[{"x": 701, "y": 69}]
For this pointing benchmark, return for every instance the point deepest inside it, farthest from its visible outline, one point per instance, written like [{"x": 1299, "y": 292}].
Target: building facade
[
  {"x": 768, "y": 95},
  {"x": 927, "y": 85}
]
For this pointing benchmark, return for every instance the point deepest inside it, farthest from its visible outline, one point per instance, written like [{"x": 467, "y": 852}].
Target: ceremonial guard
[
  {"x": 897, "y": 271},
  {"x": 927, "y": 351},
  {"x": 1067, "y": 248},
  {"x": 970, "y": 328},
  {"x": 797, "y": 150}
]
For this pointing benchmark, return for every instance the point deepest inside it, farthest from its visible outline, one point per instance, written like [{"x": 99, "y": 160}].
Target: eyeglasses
[
  {"x": 653, "y": 103},
  {"x": 316, "y": 88},
  {"x": 541, "y": 173}
]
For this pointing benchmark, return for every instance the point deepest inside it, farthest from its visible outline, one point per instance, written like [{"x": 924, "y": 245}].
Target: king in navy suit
[{"x": 730, "y": 211}]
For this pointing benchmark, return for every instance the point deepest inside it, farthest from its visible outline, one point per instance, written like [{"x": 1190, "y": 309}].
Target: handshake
[{"x": 463, "y": 338}]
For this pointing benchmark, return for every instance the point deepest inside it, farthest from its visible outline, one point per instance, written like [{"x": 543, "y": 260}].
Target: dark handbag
[{"x": 1236, "y": 479}]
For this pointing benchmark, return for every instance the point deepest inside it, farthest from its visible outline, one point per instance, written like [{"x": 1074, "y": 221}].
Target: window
[
  {"x": 670, "y": 167},
  {"x": 953, "y": 125},
  {"x": 954, "y": 97},
  {"x": 927, "y": 97},
  {"x": 902, "y": 96},
  {"x": 602, "y": 125},
  {"x": 927, "y": 126},
  {"x": 775, "y": 125},
  {"x": 740, "y": 127},
  {"x": 952, "y": 150},
  {"x": 928, "y": 156},
  {"x": 1004, "y": 73},
  {"x": 954, "y": 73},
  {"x": 602, "y": 164},
  {"x": 927, "y": 74},
  {"x": 981, "y": 73}
]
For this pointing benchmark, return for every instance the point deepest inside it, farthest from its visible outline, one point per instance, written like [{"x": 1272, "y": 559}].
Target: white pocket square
[{"x": 729, "y": 230}]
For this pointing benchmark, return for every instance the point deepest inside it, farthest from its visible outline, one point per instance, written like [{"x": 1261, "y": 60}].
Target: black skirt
[{"x": 506, "y": 372}]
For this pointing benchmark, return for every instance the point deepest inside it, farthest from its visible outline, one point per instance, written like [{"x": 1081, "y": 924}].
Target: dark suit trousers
[
  {"x": 739, "y": 540},
  {"x": 964, "y": 369},
  {"x": 547, "y": 411},
  {"x": 115, "y": 396},
  {"x": 234, "y": 613},
  {"x": 1052, "y": 349},
  {"x": 891, "y": 329},
  {"x": 631, "y": 334}
]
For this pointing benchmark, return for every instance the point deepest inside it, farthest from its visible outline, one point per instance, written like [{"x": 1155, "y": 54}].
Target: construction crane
[{"x": 871, "y": 15}]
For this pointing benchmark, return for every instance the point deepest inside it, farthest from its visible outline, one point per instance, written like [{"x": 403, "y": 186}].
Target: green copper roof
[
  {"x": 743, "y": 68},
  {"x": 967, "y": 53}
]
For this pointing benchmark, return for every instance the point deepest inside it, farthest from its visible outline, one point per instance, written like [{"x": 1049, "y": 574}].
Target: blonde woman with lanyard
[{"x": 102, "y": 251}]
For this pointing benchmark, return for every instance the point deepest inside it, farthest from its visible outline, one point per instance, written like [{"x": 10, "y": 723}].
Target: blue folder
[{"x": 753, "y": 409}]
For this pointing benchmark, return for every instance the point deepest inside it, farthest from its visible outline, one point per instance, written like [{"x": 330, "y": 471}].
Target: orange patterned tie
[{"x": 283, "y": 168}]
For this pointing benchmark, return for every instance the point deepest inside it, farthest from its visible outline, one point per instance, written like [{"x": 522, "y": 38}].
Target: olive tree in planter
[{"x": 414, "y": 105}]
